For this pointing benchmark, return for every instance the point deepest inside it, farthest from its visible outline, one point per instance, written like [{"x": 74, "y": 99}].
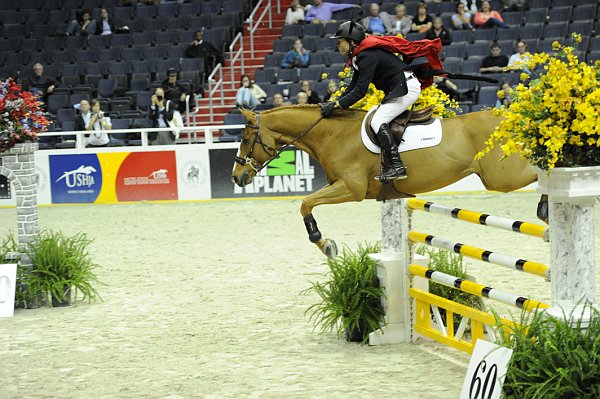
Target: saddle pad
[{"x": 415, "y": 136}]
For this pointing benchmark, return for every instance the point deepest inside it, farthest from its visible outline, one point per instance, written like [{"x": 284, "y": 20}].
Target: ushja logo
[{"x": 81, "y": 176}]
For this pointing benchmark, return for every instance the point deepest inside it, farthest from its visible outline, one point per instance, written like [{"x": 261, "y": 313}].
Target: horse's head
[{"x": 256, "y": 149}]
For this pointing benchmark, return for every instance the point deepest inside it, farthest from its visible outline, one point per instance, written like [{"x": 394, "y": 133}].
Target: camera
[{"x": 159, "y": 98}]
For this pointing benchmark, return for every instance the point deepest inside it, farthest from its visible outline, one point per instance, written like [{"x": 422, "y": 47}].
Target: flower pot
[
  {"x": 58, "y": 302},
  {"x": 354, "y": 335}
]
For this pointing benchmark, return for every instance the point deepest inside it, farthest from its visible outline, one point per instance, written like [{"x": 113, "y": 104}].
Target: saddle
[{"x": 399, "y": 123}]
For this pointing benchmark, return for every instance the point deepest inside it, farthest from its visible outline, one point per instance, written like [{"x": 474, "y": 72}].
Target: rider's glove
[{"x": 327, "y": 108}]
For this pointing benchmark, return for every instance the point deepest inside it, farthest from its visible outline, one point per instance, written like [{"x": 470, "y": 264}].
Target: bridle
[{"x": 273, "y": 153}]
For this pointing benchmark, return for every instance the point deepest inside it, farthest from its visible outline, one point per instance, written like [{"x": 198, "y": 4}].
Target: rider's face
[{"x": 343, "y": 46}]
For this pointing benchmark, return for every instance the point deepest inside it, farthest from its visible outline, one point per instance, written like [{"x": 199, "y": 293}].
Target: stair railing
[
  {"x": 215, "y": 85},
  {"x": 255, "y": 22},
  {"x": 235, "y": 56}
]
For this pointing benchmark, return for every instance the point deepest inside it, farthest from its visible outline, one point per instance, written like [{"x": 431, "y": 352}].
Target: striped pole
[
  {"x": 511, "y": 262},
  {"x": 531, "y": 229},
  {"x": 476, "y": 289}
]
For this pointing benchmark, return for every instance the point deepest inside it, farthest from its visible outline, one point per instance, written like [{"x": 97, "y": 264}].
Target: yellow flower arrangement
[
  {"x": 444, "y": 106},
  {"x": 555, "y": 120}
]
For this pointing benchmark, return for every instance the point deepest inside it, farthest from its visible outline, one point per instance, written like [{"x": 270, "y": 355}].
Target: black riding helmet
[{"x": 350, "y": 30}]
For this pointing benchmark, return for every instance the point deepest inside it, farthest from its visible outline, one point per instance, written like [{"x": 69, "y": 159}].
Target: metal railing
[
  {"x": 213, "y": 86},
  {"x": 209, "y": 136},
  {"x": 238, "y": 55},
  {"x": 255, "y": 22}
]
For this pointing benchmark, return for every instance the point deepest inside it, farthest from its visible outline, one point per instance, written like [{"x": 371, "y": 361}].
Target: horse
[{"x": 350, "y": 167}]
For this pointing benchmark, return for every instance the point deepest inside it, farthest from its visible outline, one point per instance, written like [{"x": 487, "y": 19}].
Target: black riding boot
[{"x": 392, "y": 167}]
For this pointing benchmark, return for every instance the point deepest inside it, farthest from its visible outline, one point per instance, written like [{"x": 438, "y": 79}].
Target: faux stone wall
[{"x": 18, "y": 165}]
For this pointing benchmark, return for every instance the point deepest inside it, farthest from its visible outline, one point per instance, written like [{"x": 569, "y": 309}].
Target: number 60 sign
[{"x": 486, "y": 372}]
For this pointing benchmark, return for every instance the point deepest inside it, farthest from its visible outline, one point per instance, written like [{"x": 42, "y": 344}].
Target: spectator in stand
[
  {"x": 201, "y": 48},
  {"x": 295, "y": 14},
  {"x": 470, "y": 6},
  {"x": 83, "y": 25},
  {"x": 278, "y": 100},
  {"x": 176, "y": 92},
  {"x": 160, "y": 113},
  {"x": 461, "y": 19},
  {"x": 40, "y": 84},
  {"x": 301, "y": 98},
  {"x": 400, "y": 22},
  {"x": 249, "y": 95},
  {"x": 495, "y": 62},
  {"x": 378, "y": 23},
  {"x": 97, "y": 123},
  {"x": 298, "y": 57},
  {"x": 439, "y": 31},
  {"x": 421, "y": 22},
  {"x": 517, "y": 61},
  {"x": 506, "y": 99},
  {"x": 488, "y": 18},
  {"x": 313, "y": 96},
  {"x": 516, "y": 5},
  {"x": 332, "y": 87},
  {"x": 109, "y": 26},
  {"x": 82, "y": 121},
  {"x": 322, "y": 12}
]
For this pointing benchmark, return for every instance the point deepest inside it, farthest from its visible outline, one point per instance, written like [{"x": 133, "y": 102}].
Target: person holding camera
[
  {"x": 160, "y": 113},
  {"x": 91, "y": 118}
]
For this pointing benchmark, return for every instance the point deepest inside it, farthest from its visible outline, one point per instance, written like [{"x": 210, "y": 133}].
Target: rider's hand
[{"x": 327, "y": 108}]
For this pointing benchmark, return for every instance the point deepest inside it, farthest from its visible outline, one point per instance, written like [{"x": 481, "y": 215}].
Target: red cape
[{"x": 418, "y": 48}]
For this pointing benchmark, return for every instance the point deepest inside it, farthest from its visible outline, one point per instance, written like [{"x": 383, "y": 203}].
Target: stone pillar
[
  {"x": 19, "y": 166},
  {"x": 572, "y": 195},
  {"x": 392, "y": 273}
]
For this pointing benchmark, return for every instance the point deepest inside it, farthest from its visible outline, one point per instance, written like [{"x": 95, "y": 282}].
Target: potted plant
[
  {"x": 350, "y": 299},
  {"x": 62, "y": 264},
  {"x": 21, "y": 115}
]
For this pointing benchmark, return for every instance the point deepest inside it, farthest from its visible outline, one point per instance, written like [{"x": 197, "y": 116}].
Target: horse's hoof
[{"x": 330, "y": 249}]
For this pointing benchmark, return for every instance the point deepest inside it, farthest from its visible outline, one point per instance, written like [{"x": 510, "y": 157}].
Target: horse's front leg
[{"x": 335, "y": 193}]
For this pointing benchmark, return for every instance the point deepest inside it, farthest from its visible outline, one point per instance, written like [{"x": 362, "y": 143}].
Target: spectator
[
  {"x": 98, "y": 122},
  {"x": 332, "y": 87},
  {"x": 83, "y": 24},
  {"x": 295, "y": 14},
  {"x": 470, "y": 6},
  {"x": 421, "y": 22},
  {"x": 488, "y": 18},
  {"x": 461, "y": 19},
  {"x": 506, "y": 99},
  {"x": 378, "y": 23},
  {"x": 438, "y": 31},
  {"x": 495, "y": 61},
  {"x": 40, "y": 84},
  {"x": 161, "y": 112},
  {"x": 298, "y": 57},
  {"x": 400, "y": 22},
  {"x": 517, "y": 61},
  {"x": 313, "y": 96},
  {"x": 249, "y": 94},
  {"x": 301, "y": 98},
  {"x": 322, "y": 12},
  {"x": 200, "y": 48},
  {"x": 108, "y": 26},
  {"x": 278, "y": 100},
  {"x": 516, "y": 5},
  {"x": 176, "y": 92}
]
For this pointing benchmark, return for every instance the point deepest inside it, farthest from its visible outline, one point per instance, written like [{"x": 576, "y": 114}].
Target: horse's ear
[{"x": 249, "y": 115}]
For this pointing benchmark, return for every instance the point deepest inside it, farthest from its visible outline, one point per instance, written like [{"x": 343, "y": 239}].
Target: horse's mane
[{"x": 305, "y": 106}]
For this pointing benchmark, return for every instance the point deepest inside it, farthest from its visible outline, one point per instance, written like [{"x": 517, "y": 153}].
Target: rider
[{"x": 373, "y": 61}]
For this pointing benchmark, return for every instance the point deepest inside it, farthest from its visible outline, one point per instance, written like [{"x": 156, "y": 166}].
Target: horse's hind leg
[{"x": 335, "y": 193}]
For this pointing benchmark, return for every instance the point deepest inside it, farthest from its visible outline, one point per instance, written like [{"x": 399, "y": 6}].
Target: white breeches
[{"x": 388, "y": 111}]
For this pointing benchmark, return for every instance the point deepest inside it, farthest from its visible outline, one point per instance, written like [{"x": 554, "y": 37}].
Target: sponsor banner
[
  {"x": 76, "y": 178},
  {"x": 147, "y": 176},
  {"x": 293, "y": 173},
  {"x": 193, "y": 173}
]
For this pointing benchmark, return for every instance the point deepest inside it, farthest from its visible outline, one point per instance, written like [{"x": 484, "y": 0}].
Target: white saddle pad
[{"x": 415, "y": 136}]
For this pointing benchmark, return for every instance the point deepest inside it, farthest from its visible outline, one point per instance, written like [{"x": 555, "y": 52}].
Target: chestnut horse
[{"x": 350, "y": 168}]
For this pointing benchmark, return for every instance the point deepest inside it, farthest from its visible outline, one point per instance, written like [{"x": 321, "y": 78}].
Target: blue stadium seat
[
  {"x": 531, "y": 31},
  {"x": 167, "y": 10},
  {"x": 486, "y": 35},
  {"x": 488, "y": 95},
  {"x": 65, "y": 114},
  {"x": 312, "y": 73},
  {"x": 57, "y": 101},
  {"x": 582, "y": 27},
  {"x": 190, "y": 9},
  {"x": 292, "y": 31},
  {"x": 555, "y": 30},
  {"x": 455, "y": 50},
  {"x": 264, "y": 76},
  {"x": 283, "y": 45},
  {"x": 462, "y": 36},
  {"x": 287, "y": 75},
  {"x": 145, "y": 11},
  {"x": 559, "y": 14}
]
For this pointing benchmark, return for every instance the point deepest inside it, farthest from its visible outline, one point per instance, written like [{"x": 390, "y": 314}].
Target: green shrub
[
  {"x": 9, "y": 244},
  {"x": 351, "y": 297},
  {"x": 553, "y": 358}
]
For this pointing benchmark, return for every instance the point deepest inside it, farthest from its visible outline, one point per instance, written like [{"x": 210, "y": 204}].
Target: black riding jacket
[{"x": 382, "y": 68}]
